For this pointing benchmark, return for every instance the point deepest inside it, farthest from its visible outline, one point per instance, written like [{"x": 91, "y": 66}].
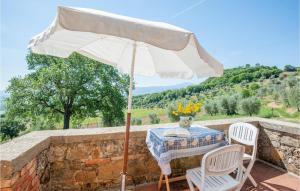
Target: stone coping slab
[{"x": 21, "y": 150}]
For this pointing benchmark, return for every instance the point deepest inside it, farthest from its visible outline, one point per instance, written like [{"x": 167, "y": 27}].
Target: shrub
[
  {"x": 229, "y": 104},
  {"x": 136, "y": 121},
  {"x": 153, "y": 118},
  {"x": 211, "y": 107},
  {"x": 290, "y": 68},
  {"x": 261, "y": 92},
  {"x": 245, "y": 93},
  {"x": 292, "y": 81},
  {"x": 282, "y": 76},
  {"x": 254, "y": 86},
  {"x": 139, "y": 121},
  {"x": 251, "y": 105},
  {"x": 294, "y": 97},
  {"x": 171, "y": 115},
  {"x": 10, "y": 129}
]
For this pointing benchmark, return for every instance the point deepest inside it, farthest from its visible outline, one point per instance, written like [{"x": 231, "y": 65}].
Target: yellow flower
[
  {"x": 188, "y": 109},
  {"x": 180, "y": 108}
]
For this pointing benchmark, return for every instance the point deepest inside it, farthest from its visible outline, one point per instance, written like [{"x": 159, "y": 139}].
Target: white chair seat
[
  {"x": 212, "y": 183},
  {"x": 246, "y": 157},
  {"x": 246, "y": 134}
]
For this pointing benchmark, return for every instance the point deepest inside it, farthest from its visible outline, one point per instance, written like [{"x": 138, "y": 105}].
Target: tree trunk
[{"x": 67, "y": 117}]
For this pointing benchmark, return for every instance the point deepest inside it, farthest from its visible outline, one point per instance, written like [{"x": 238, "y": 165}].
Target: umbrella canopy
[
  {"x": 161, "y": 48},
  {"x": 133, "y": 46}
]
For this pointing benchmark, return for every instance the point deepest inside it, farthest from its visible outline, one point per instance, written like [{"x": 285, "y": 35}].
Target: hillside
[
  {"x": 268, "y": 91},
  {"x": 231, "y": 77},
  {"x": 156, "y": 89}
]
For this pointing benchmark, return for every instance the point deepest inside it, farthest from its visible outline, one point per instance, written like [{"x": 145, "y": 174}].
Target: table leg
[
  {"x": 167, "y": 182},
  {"x": 160, "y": 181}
]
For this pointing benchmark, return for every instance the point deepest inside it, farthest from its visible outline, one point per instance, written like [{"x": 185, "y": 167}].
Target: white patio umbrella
[{"x": 133, "y": 46}]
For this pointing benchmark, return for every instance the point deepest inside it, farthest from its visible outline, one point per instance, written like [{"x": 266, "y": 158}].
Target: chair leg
[
  {"x": 167, "y": 182},
  {"x": 191, "y": 186},
  {"x": 252, "y": 180},
  {"x": 160, "y": 181}
]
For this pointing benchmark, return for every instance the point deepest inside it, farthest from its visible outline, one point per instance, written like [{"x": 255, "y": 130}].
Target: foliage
[
  {"x": 290, "y": 68},
  {"x": 245, "y": 93},
  {"x": 262, "y": 91},
  {"x": 211, "y": 107},
  {"x": 136, "y": 121},
  {"x": 292, "y": 81},
  {"x": 254, "y": 86},
  {"x": 154, "y": 119},
  {"x": 172, "y": 117},
  {"x": 229, "y": 104},
  {"x": 294, "y": 97},
  {"x": 10, "y": 128},
  {"x": 251, "y": 105},
  {"x": 60, "y": 88},
  {"x": 231, "y": 77}
]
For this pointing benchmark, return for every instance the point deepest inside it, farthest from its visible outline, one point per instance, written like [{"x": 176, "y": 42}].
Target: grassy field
[{"x": 265, "y": 112}]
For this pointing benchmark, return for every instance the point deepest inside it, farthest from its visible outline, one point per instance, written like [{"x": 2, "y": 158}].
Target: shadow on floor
[{"x": 267, "y": 177}]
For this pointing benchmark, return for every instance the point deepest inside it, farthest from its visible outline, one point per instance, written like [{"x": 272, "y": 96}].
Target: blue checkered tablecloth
[{"x": 164, "y": 149}]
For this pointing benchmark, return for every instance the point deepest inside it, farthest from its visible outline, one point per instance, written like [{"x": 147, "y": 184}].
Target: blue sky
[{"x": 235, "y": 32}]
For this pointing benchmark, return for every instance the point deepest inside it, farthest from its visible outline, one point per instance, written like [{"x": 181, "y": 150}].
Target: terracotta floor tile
[{"x": 268, "y": 179}]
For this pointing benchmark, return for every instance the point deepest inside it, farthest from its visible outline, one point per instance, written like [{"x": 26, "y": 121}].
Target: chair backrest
[
  {"x": 223, "y": 161},
  {"x": 244, "y": 133}
]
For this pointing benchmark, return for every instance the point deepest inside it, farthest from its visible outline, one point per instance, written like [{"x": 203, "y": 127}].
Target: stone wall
[
  {"x": 280, "y": 149},
  {"x": 91, "y": 159},
  {"x": 34, "y": 176},
  {"x": 96, "y": 164}
]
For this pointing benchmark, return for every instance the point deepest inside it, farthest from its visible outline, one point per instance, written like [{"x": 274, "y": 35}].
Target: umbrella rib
[
  {"x": 148, "y": 48},
  {"x": 123, "y": 50}
]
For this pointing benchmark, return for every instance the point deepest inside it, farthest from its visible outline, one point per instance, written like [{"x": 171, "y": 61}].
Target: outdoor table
[{"x": 164, "y": 149}]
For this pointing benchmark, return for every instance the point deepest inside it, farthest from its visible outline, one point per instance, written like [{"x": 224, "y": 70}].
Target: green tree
[
  {"x": 229, "y": 104},
  {"x": 136, "y": 121},
  {"x": 211, "y": 107},
  {"x": 251, "y": 105},
  {"x": 172, "y": 117},
  {"x": 10, "y": 128},
  {"x": 294, "y": 97},
  {"x": 290, "y": 68},
  {"x": 254, "y": 86},
  {"x": 72, "y": 87},
  {"x": 292, "y": 81},
  {"x": 245, "y": 93},
  {"x": 154, "y": 118}
]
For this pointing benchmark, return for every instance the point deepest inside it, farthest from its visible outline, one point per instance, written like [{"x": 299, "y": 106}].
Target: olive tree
[
  {"x": 229, "y": 104},
  {"x": 211, "y": 107},
  {"x": 294, "y": 97},
  {"x": 251, "y": 105}
]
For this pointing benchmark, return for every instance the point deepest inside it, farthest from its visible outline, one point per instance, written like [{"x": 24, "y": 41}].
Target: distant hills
[
  {"x": 157, "y": 89},
  {"x": 239, "y": 75}
]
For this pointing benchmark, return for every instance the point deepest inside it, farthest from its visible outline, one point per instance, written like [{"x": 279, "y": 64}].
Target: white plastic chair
[
  {"x": 213, "y": 175},
  {"x": 246, "y": 134}
]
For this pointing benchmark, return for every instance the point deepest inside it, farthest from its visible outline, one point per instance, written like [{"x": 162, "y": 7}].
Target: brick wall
[{"x": 34, "y": 176}]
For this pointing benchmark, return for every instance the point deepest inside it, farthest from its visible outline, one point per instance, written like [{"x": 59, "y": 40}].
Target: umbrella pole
[{"x": 128, "y": 119}]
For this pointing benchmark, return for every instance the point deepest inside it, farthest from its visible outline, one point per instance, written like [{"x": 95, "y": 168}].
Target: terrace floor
[{"x": 268, "y": 179}]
